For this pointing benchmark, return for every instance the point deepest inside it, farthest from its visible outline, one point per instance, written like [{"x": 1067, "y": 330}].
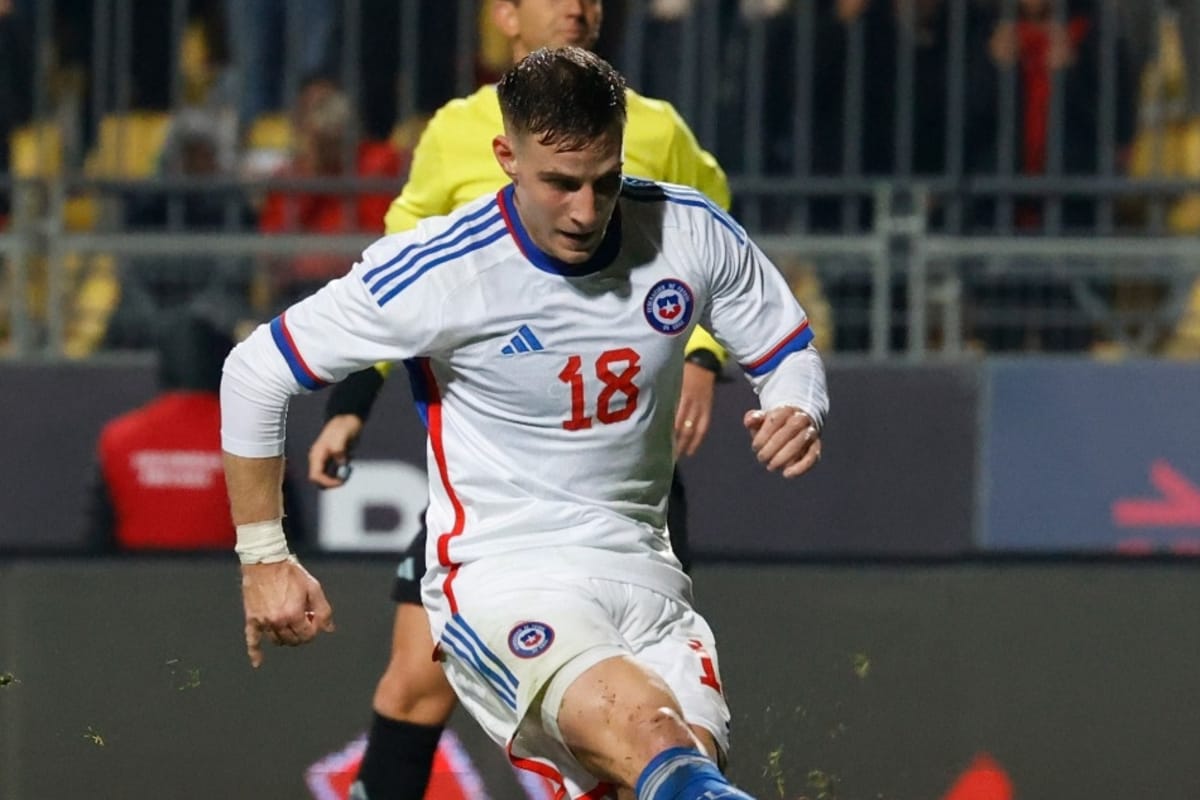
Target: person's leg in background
[{"x": 412, "y": 702}]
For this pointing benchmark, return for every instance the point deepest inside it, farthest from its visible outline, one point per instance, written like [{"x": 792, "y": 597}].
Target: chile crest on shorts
[
  {"x": 529, "y": 639},
  {"x": 668, "y": 306}
]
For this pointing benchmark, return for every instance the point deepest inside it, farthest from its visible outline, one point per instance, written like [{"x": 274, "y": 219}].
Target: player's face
[
  {"x": 565, "y": 197},
  {"x": 531, "y": 24}
]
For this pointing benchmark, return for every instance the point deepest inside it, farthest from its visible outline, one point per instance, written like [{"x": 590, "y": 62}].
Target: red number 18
[{"x": 615, "y": 382}]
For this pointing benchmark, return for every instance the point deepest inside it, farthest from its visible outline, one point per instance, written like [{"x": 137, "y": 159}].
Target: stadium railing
[{"x": 897, "y": 262}]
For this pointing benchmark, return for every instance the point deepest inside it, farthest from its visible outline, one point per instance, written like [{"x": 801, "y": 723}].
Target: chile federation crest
[
  {"x": 530, "y": 639},
  {"x": 668, "y": 306}
]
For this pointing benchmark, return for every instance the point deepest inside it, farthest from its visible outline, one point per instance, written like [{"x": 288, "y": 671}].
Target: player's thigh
[{"x": 506, "y": 646}]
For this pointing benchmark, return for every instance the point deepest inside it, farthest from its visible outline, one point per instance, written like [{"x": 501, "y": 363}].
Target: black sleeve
[
  {"x": 100, "y": 518},
  {"x": 355, "y": 395}
]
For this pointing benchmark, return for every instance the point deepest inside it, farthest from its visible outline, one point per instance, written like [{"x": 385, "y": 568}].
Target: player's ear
[
  {"x": 504, "y": 17},
  {"x": 506, "y": 156}
]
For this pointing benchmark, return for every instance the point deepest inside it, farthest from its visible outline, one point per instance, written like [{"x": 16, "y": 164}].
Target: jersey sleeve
[
  {"x": 753, "y": 312},
  {"x": 689, "y": 164},
  {"x": 426, "y": 193},
  {"x": 342, "y": 328}
]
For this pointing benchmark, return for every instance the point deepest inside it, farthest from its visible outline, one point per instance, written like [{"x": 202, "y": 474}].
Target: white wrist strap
[{"x": 262, "y": 543}]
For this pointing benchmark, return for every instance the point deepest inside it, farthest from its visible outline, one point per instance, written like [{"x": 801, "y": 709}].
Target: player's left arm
[
  {"x": 689, "y": 164},
  {"x": 753, "y": 311}
]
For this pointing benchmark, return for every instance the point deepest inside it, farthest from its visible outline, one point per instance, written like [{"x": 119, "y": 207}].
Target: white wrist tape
[{"x": 262, "y": 542}]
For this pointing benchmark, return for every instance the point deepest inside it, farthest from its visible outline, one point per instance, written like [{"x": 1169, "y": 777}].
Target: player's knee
[{"x": 414, "y": 691}]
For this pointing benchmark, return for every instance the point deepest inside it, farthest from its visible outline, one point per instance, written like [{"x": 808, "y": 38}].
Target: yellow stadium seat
[
  {"x": 36, "y": 150},
  {"x": 270, "y": 132},
  {"x": 128, "y": 145}
]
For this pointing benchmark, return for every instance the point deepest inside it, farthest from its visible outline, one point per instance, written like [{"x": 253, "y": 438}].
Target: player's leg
[
  {"x": 624, "y": 725},
  {"x": 547, "y": 672},
  {"x": 676, "y": 643},
  {"x": 677, "y": 521},
  {"x": 412, "y": 700}
]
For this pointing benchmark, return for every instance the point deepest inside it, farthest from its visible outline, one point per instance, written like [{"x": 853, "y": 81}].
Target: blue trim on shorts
[
  {"x": 464, "y": 648},
  {"x": 484, "y": 649}
]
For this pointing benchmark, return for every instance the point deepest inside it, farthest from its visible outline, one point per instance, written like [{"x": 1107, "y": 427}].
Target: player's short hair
[{"x": 567, "y": 97}]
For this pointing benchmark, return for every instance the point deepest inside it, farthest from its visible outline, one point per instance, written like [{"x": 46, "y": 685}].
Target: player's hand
[
  {"x": 334, "y": 442},
  {"x": 784, "y": 438},
  {"x": 695, "y": 408},
  {"x": 283, "y": 602}
]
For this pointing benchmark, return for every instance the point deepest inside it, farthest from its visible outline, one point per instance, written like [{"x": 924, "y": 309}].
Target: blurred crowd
[{"x": 248, "y": 105}]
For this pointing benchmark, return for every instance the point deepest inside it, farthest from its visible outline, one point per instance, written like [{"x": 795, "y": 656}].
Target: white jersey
[{"x": 549, "y": 391}]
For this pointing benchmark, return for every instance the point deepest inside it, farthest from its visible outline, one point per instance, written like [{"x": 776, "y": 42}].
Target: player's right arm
[{"x": 341, "y": 328}]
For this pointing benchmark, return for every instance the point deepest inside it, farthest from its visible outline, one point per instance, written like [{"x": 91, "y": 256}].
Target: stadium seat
[
  {"x": 268, "y": 143},
  {"x": 36, "y": 150},
  {"x": 128, "y": 145}
]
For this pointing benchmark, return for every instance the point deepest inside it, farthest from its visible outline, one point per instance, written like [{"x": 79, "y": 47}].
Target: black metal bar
[
  {"x": 752, "y": 130},
  {"x": 902, "y": 162},
  {"x": 409, "y": 37},
  {"x": 635, "y": 43},
  {"x": 852, "y": 118},
  {"x": 956, "y": 110},
  {"x": 466, "y": 25},
  {"x": 710, "y": 67},
  {"x": 1006, "y": 119},
  {"x": 174, "y": 156},
  {"x": 1055, "y": 138},
  {"x": 688, "y": 53},
  {"x": 1106, "y": 139},
  {"x": 802, "y": 104}
]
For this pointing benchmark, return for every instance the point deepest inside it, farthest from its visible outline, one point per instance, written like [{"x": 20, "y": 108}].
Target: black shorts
[{"x": 406, "y": 588}]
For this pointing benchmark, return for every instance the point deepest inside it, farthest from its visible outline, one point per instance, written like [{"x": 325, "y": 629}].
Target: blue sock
[{"x": 684, "y": 773}]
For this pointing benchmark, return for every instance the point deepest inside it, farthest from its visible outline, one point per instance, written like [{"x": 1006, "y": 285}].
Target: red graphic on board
[
  {"x": 985, "y": 779},
  {"x": 1178, "y": 504}
]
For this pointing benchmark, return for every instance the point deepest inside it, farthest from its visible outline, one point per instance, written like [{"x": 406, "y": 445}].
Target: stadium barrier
[{"x": 921, "y": 461}]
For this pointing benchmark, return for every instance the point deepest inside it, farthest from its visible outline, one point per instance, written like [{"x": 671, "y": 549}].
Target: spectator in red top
[
  {"x": 323, "y": 126},
  {"x": 1042, "y": 48},
  {"x": 160, "y": 483}
]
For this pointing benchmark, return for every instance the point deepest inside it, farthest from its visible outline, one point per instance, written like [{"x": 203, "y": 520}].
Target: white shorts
[{"x": 507, "y": 641}]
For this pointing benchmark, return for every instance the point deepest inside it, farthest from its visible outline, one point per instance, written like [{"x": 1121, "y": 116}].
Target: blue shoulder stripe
[
  {"x": 470, "y": 247},
  {"x": 430, "y": 250},
  {"x": 417, "y": 245}
]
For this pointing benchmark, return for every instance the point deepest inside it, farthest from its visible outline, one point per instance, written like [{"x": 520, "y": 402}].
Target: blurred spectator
[
  {"x": 1044, "y": 310},
  {"x": 159, "y": 483},
  {"x": 215, "y": 288},
  {"x": 324, "y": 129},
  {"x": 272, "y": 38},
  {"x": 1042, "y": 50}
]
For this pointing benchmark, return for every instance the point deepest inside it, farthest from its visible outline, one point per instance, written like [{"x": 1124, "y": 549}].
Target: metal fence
[{"x": 926, "y": 193}]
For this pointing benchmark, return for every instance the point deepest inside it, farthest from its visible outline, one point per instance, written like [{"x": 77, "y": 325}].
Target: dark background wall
[
  {"x": 1079, "y": 679},
  {"x": 898, "y": 475}
]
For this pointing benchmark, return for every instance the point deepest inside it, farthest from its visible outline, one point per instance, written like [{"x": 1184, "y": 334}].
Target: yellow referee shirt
[{"x": 453, "y": 163}]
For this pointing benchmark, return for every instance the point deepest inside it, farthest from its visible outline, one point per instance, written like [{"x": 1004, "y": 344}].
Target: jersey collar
[{"x": 603, "y": 256}]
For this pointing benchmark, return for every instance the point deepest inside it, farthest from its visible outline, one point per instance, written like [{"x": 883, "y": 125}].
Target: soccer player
[
  {"x": 561, "y": 617},
  {"x": 452, "y": 165}
]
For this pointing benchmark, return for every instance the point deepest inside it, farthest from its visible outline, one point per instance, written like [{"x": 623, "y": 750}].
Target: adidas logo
[{"x": 523, "y": 342}]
